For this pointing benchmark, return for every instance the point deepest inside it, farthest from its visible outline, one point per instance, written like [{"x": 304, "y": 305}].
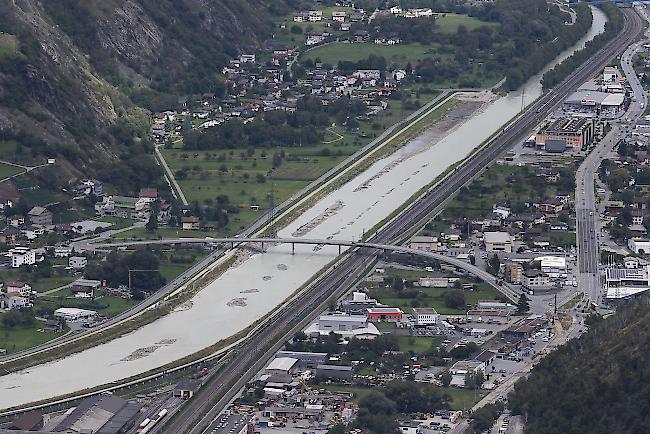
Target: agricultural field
[
  {"x": 38, "y": 284},
  {"x": 398, "y": 55},
  {"x": 252, "y": 180},
  {"x": 18, "y": 338},
  {"x": 462, "y": 399},
  {"x": 410, "y": 297},
  {"x": 8, "y": 45},
  {"x": 417, "y": 344},
  {"x": 106, "y": 305},
  {"x": 449, "y": 23},
  {"x": 7, "y": 170},
  {"x": 432, "y": 297}
]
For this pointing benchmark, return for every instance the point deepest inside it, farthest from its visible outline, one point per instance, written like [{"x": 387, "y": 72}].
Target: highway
[
  {"x": 199, "y": 412},
  {"x": 587, "y": 221}
]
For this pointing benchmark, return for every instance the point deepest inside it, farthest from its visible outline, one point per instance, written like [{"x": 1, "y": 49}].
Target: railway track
[{"x": 249, "y": 357}]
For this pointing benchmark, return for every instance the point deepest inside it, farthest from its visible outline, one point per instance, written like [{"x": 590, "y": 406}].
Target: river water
[{"x": 247, "y": 292}]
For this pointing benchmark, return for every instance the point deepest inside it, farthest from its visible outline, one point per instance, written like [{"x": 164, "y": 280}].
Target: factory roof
[
  {"x": 566, "y": 125},
  {"x": 282, "y": 364},
  {"x": 591, "y": 97},
  {"x": 496, "y": 237}
]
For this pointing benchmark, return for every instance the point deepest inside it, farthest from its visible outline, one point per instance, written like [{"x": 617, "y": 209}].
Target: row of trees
[
  {"x": 612, "y": 27},
  {"x": 141, "y": 268},
  {"x": 304, "y": 127},
  {"x": 379, "y": 409}
]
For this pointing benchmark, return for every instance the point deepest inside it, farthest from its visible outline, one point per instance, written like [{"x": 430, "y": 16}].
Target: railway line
[{"x": 249, "y": 357}]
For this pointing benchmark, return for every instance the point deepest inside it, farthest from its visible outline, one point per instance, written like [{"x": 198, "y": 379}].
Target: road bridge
[{"x": 235, "y": 242}]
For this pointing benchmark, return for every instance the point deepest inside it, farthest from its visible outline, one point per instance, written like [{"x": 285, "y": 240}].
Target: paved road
[
  {"x": 172, "y": 179},
  {"x": 409, "y": 221},
  {"x": 587, "y": 222}
]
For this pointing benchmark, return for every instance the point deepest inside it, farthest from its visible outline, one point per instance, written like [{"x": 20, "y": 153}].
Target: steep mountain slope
[
  {"x": 596, "y": 384},
  {"x": 75, "y": 74}
]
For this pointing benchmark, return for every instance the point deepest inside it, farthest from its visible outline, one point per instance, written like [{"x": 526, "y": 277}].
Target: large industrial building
[
  {"x": 575, "y": 132},
  {"x": 347, "y": 326},
  {"x": 625, "y": 283},
  {"x": 594, "y": 102},
  {"x": 100, "y": 414}
]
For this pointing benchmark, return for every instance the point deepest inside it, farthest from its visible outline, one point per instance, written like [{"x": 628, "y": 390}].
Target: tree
[
  {"x": 493, "y": 265},
  {"x": 445, "y": 378},
  {"x": 337, "y": 429},
  {"x": 454, "y": 299},
  {"x": 475, "y": 380},
  {"x": 522, "y": 304},
  {"x": 464, "y": 351},
  {"x": 181, "y": 174},
  {"x": 152, "y": 223},
  {"x": 618, "y": 178},
  {"x": 18, "y": 317}
]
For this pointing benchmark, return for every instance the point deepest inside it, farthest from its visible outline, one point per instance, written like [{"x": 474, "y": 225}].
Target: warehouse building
[
  {"x": 595, "y": 102},
  {"x": 524, "y": 328},
  {"x": 577, "y": 133},
  {"x": 335, "y": 372},
  {"x": 73, "y": 314},
  {"x": 347, "y": 326},
  {"x": 281, "y": 366},
  {"x": 102, "y": 414},
  {"x": 358, "y": 303},
  {"x": 427, "y": 244},
  {"x": 306, "y": 360},
  {"x": 625, "y": 283}
]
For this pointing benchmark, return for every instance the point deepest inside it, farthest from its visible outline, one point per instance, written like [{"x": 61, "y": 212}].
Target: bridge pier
[
  {"x": 232, "y": 245},
  {"x": 339, "y": 249},
  {"x": 293, "y": 248},
  {"x": 263, "y": 247}
]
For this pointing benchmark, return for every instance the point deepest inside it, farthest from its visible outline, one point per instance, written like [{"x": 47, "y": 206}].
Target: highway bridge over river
[{"x": 235, "y": 242}]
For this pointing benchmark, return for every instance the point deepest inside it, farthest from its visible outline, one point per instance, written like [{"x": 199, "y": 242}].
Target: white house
[
  {"x": 62, "y": 251},
  {"x": 339, "y": 16},
  {"x": 639, "y": 245},
  {"x": 22, "y": 256},
  {"x": 14, "y": 300},
  {"x": 461, "y": 369},
  {"x": 247, "y": 58},
  {"x": 18, "y": 286},
  {"x": 72, "y": 314},
  {"x": 77, "y": 262},
  {"x": 425, "y": 316}
]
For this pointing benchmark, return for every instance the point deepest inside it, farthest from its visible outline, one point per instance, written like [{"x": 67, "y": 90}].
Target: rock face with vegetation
[
  {"x": 77, "y": 76},
  {"x": 595, "y": 384}
]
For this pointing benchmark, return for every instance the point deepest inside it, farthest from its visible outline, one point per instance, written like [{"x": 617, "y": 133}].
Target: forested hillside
[
  {"x": 78, "y": 76},
  {"x": 599, "y": 383}
]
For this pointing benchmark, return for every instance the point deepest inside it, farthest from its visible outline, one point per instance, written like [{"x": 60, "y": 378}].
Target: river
[{"x": 247, "y": 292}]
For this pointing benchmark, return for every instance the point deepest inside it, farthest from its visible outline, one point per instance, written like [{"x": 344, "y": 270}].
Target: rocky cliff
[{"x": 78, "y": 76}]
